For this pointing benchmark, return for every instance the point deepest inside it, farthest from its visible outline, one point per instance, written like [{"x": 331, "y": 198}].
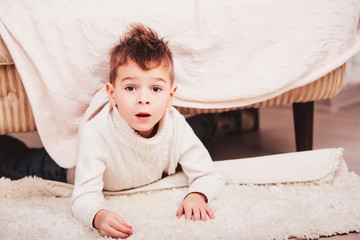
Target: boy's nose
[
  {"x": 143, "y": 98},
  {"x": 143, "y": 102}
]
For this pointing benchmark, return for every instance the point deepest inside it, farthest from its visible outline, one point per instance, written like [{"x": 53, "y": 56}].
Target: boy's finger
[
  {"x": 122, "y": 228},
  {"x": 203, "y": 214},
  {"x": 120, "y": 225},
  {"x": 117, "y": 234},
  {"x": 188, "y": 213},
  {"x": 196, "y": 213},
  {"x": 122, "y": 222},
  {"x": 210, "y": 213},
  {"x": 111, "y": 232},
  {"x": 180, "y": 211}
]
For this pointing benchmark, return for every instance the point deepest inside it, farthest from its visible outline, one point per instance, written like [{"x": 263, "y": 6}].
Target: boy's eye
[
  {"x": 130, "y": 88},
  {"x": 156, "y": 89}
]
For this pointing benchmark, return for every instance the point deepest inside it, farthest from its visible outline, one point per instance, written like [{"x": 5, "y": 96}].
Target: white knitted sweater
[{"x": 112, "y": 156}]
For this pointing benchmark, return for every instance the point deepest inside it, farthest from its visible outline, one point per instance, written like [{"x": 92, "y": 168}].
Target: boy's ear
[
  {"x": 172, "y": 92},
  {"x": 110, "y": 91}
]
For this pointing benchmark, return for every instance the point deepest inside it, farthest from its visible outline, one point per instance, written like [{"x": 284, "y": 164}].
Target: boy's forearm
[
  {"x": 210, "y": 185},
  {"x": 85, "y": 211}
]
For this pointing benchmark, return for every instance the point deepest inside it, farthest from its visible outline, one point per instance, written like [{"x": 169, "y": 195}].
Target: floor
[{"x": 276, "y": 135}]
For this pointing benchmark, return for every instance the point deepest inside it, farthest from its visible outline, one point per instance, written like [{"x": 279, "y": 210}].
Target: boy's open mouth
[{"x": 143, "y": 115}]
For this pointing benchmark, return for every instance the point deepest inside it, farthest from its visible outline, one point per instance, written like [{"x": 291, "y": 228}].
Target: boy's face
[{"x": 141, "y": 96}]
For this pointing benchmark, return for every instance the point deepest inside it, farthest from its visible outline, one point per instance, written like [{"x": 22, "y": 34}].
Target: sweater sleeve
[
  {"x": 87, "y": 198},
  {"x": 197, "y": 165}
]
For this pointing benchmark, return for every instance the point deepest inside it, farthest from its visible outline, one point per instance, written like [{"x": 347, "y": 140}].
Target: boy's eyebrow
[
  {"x": 160, "y": 79},
  {"x": 128, "y": 78}
]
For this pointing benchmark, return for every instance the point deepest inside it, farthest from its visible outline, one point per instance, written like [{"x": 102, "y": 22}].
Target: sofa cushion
[{"x": 15, "y": 111}]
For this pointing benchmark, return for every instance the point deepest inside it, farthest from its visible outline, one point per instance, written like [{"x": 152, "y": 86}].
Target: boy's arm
[
  {"x": 87, "y": 198},
  {"x": 198, "y": 166},
  {"x": 205, "y": 182}
]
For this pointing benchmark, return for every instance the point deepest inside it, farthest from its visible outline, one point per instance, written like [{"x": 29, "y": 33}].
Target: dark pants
[{"x": 18, "y": 161}]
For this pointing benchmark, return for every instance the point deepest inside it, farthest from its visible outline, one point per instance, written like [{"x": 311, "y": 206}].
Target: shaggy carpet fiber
[{"x": 32, "y": 208}]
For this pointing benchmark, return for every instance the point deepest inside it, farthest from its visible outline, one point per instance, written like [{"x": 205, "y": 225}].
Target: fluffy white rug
[{"x": 32, "y": 208}]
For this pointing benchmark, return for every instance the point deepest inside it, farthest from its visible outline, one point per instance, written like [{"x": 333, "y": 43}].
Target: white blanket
[{"x": 226, "y": 53}]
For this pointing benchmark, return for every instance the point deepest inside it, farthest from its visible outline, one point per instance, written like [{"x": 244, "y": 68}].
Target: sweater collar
[{"x": 127, "y": 135}]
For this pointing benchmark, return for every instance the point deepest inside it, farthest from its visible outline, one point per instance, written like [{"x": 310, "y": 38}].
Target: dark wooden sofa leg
[
  {"x": 303, "y": 114},
  {"x": 255, "y": 112}
]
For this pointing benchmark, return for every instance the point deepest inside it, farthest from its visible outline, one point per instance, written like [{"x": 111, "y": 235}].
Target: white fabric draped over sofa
[{"x": 226, "y": 53}]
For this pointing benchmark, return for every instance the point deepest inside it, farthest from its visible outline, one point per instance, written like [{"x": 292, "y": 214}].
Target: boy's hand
[
  {"x": 111, "y": 225},
  {"x": 195, "y": 205}
]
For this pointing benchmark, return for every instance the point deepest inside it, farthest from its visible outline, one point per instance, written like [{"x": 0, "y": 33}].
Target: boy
[{"x": 138, "y": 136}]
